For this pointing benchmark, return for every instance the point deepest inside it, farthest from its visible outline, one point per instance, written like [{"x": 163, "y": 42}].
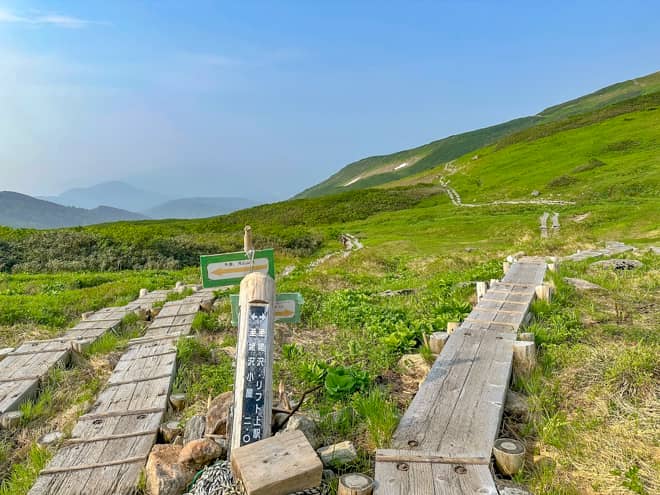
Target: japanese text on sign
[{"x": 252, "y": 424}]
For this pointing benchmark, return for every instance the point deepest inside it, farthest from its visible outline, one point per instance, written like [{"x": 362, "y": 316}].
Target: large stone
[
  {"x": 200, "y": 452},
  {"x": 617, "y": 264},
  {"x": 194, "y": 429},
  {"x": 50, "y": 438},
  {"x": 516, "y": 404},
  {"x": 581, "y": 284},
  {"x": 337, "y": 454},
  {"x": 218, "y": 414},
  {"x": 300, "y": 422},
  {"x": 165, "y": 475},
  {"x": 505, "y": 487}
]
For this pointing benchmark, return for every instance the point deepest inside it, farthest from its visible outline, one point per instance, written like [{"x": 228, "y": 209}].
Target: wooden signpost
[
  {"x": 220, "y": 270},
  {"x": 287, "y": 307},
  {"x": 253, "y": 387},
  {"x": 254, "y": 310}
]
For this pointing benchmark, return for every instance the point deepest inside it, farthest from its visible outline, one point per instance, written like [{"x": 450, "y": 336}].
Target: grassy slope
[{"x": 378, "y": 170}]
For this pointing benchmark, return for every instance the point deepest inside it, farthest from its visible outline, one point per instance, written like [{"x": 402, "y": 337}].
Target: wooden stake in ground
[
  {"x": 355, "y": 484},
  {"x": 509, "y": 455},
  {"x": 253, "y": 386},
  {"x": 481, "y": 290},
  {"x": 437, "y": 341},
  {"x": 544, "y": 292},
  {"x": 524, "y": 357}
]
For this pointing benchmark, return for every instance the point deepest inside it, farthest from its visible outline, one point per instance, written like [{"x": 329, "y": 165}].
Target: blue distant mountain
[
  {"x": 20, "y": 210},
  {"x": 149, "y": 204}
]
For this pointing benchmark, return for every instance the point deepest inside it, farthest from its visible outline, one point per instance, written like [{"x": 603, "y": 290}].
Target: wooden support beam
[
  {"x": 75, "y": 441},
  {"x": 355, "y": 484},
  {"x": 138, "y": 380},
  {"x": 398, "y": 455},
  {"x": 524, "y": 357},
  {"x": 82, "y": 467},
  {"x": 544, "y": 292},
  {"x": 481, "y": 290},
  {"x": 114, "y": 414},
  {"x": 437, "y": 341},
  {"x": 509, "y": 455}
]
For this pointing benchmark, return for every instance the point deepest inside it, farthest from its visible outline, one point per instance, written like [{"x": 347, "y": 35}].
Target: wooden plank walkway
[
  {"x": 110, "y": 444},
  {"x": 444, "y": 441},
  {"x": 23, "y": 369}
]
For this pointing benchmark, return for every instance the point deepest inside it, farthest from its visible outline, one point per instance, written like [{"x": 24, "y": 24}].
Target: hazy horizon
[{"x": 262, "y": 100}]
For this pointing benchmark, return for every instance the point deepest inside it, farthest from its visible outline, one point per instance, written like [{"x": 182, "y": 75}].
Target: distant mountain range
[
  {"x": 115, "y": 193},
  {"x": 107, "y": 202},
  {"x": 20, "y": 210}
]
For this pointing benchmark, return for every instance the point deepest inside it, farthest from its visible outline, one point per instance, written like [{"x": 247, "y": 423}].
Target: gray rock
[
  {"x": 51, "y": 438},
  {"x": 399, "y": 292},
  {"x": 505, "y": 487},
  {"x": 581, "y": 284},
  {"x": 535, "y": 193},
  {"x": 194, "y": 429},
  {"x": 617, "y": 264},
  {"x": 516, "y": 404},
  {"x": 165, "y": 475},
  {"x": 654, "y": 249},
  {"x": 308, "y": 426},
  {"x": 329, "y": 475},
  {"x": 337, "y": 454}
]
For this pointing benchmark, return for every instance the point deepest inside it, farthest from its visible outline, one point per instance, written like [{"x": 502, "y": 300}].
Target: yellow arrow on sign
[
  {"x": 287, "y": 313},
  {"x": 240, "y": 269}
]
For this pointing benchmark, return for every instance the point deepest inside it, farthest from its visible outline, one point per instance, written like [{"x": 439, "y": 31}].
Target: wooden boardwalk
[
  {"x": 444, "y": 441},
  {"x": 110, "y": 444},
  {"x": 23, "y": 369}
]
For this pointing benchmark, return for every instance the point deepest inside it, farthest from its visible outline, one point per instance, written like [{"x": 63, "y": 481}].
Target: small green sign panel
[
  {"x": 219, "y": 270},
  {"x": 287, "y": 307}
]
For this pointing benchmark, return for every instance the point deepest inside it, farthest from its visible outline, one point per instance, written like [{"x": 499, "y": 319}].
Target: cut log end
[
  {"x": 11, "y": 419},
  {"x": 178, "y": 401},
  {"x": 355, "y": 484},
  {"x": 509, "y": 455}
]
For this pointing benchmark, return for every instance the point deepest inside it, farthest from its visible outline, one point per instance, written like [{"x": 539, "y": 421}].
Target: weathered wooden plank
[
  {"x": 401, "y": 455},
  {"x": 433, "y": 479},
  {"x": 111, "y": 443}
]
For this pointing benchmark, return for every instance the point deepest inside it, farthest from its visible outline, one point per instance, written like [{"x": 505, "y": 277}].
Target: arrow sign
[
  {"x": 287, "y": 307},
  {"x": 219, "y": 270}
]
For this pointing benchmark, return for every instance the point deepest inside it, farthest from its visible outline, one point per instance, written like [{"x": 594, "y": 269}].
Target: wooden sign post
[{"x": 253, "y": 386}]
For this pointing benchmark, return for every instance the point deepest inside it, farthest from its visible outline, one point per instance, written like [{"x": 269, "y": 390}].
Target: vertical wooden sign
[{"x": 253, "y": 385}]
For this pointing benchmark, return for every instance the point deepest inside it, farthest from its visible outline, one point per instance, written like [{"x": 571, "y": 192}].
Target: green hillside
[{"x": 378, "y": 170}]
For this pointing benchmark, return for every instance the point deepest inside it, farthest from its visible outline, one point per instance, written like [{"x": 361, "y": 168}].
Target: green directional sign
[
  {"x": 287, "y": 307},
  {"x": 219, "y": 270}
]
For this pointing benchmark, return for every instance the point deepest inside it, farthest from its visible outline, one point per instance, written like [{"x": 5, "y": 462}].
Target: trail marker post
[
  {"x": 253, "y": 387},
  {"x": 255, "y": 311}
]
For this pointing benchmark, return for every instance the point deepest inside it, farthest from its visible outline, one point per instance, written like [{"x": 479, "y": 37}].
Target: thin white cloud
[{"x": 57, "y": 20}]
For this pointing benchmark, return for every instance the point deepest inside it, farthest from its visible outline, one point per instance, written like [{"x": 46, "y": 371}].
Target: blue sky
[{"x": 263, "y": 99}]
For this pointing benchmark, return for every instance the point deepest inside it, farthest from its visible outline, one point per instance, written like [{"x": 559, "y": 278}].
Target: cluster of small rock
[
  {"x": 217, "y": 479},
  {"x": 197, "y": 454}
]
